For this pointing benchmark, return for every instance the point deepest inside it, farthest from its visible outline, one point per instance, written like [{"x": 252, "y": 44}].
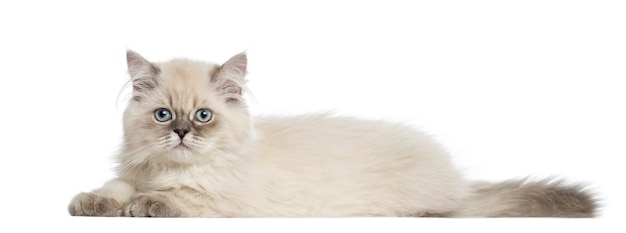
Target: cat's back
[
  {"x": 328, "y": 156},
  {"x": 339, "y": 136}
]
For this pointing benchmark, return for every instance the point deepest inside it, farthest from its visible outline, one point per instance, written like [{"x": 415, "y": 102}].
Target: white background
[{"x": 512, "y": 88}]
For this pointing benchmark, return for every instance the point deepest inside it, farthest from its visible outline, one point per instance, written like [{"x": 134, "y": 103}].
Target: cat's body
[{"x": 191, "y": 149}]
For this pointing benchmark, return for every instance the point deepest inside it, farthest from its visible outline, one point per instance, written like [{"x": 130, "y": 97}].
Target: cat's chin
[{"x": 181, "y": 153}]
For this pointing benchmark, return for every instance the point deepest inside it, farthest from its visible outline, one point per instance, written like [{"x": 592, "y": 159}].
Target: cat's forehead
[
  {"x": 186, "y": 82},
  {"x": 187, "y": 73}
]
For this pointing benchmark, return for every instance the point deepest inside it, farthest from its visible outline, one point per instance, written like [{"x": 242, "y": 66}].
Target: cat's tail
[{"x": 523, "y": 198}]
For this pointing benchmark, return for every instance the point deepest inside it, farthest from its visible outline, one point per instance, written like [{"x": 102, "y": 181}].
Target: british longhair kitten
[{"x": 191, "y": 149}]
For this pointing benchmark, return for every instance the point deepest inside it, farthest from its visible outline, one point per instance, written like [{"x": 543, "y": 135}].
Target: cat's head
[{"x": 185, "y": 112}]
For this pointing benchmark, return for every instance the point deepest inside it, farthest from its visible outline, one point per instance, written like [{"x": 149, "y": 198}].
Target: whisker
[{"x": 141, "y": 155}]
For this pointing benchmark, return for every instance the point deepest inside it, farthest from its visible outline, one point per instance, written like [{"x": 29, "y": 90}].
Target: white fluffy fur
[
  {"x": 313, "y": 165},
  {"x": 306, "y": 166}
]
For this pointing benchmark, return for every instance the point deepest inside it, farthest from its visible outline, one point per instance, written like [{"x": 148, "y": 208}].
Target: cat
[{"x": 192, "y": 149}]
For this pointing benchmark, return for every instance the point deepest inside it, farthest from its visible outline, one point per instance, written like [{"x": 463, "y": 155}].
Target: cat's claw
[
  {"x": 149, "y": 206},
  {"x": 93, "y": 204}
]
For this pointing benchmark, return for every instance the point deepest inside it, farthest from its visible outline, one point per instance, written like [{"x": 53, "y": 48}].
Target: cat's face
[{"x": 185, "y": 112}]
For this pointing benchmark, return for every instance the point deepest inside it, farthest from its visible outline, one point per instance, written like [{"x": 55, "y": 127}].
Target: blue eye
[
  {"x": 203, "y": 115},
  {"x": 162, "y": 115}
]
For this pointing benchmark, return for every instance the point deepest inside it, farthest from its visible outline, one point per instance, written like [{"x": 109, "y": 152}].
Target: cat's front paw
[
  {"x": 93, "y": 204},
  {"x": 146, "y": 205}
]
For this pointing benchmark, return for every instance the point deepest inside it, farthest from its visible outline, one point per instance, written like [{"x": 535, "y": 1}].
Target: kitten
[{"x": 191, "y": 149}]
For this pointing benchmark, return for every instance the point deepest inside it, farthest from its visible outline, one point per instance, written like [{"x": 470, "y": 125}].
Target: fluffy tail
[{"x": 522, "y": 198}]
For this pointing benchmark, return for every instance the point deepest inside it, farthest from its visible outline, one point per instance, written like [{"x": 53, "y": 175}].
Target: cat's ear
[
  {"x": 230, "y": 78},
  {"x": 142, "y": 72}
]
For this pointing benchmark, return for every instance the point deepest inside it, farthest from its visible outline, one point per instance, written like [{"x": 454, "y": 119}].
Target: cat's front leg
[
  {"x": 151, "y": 205},
  {"x": 106, "y": 201}
]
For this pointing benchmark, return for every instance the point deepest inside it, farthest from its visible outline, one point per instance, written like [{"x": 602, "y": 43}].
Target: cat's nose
[{"x": 181, "y": 132}]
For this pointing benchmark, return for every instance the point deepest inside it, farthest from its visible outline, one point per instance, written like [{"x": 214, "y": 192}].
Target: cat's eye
[
  {"x": 162, "y": 115},
  {"x": 204, "y": 115}
]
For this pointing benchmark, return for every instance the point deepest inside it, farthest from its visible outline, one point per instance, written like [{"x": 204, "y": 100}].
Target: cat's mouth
[{"x": 182, "y": 146}]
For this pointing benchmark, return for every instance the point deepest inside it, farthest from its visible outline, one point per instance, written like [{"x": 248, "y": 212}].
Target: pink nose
[{"x": 181, "y": 132}]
